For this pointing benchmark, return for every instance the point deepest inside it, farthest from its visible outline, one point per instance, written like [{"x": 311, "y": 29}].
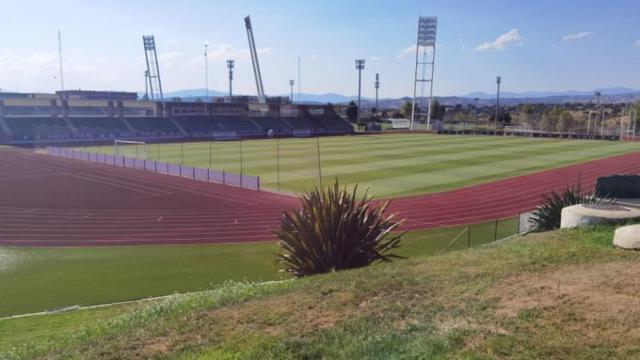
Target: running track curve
[{"x": 49, "y": 201}]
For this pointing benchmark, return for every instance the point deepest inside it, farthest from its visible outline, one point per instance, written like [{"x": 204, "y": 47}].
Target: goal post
[{"x": 137, "y": 149}]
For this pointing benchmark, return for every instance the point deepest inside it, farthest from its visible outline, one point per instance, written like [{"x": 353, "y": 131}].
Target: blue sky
[{"x": 534, "y": 45}]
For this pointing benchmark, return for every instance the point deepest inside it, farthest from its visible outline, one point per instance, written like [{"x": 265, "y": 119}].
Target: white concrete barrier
[
  {"x": 627, "y": 237},
  {"x": 583, "y": 215}
]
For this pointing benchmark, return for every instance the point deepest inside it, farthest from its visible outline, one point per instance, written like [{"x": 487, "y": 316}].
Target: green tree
[
  {"x": 565, "y": 122},
  {"x": 405, "y": 110},
  {"x": 437, "y": 110},
  {"x": 352, "y": 111}
]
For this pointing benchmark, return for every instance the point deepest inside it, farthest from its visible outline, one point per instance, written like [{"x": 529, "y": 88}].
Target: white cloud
[
  {"x": 577, "y": 36},
  {"x": 226, "y": 52},
  {"x": 313, "y": 57},
  {"x": 375, "y": 58},
  {"x": 512, "y": 37},
  {"x": 636, "y": 43},
  {"x": 169, "y": 59},
  {"x": 406, "y": 51},
  {"x": 40, "y": 71}
]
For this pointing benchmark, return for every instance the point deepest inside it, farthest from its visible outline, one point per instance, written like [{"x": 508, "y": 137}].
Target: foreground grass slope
[
  {"x": 390, "y": 165},
  {"x": 562, "y": 294},
  {"x": 36, "y": 279}
]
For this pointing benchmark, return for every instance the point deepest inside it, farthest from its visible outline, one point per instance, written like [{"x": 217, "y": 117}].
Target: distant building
[{"x": 97, "y": 95}]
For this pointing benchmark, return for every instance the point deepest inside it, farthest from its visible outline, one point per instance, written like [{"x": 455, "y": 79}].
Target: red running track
[{"x": 49, "y": 201}]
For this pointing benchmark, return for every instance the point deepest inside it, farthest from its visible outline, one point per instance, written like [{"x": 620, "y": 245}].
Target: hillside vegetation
[{"x": 564, "y": 294}]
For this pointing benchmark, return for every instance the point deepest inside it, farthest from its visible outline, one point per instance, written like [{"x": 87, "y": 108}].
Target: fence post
[
  {"x": 319, "y": 163},
  {"x": 278, "y": 163},
  {"x": 241, "y": 165},
  {"x": 180, "y": 170},
  {"x": 194, "y": 173},
  {"x": 258, "y": 182},
  {"x": 468, "y": 236},
  {"x": 224, "y": 180},
  {"x": 495, "y": 231},
  {"x": 210, "y": 161}
]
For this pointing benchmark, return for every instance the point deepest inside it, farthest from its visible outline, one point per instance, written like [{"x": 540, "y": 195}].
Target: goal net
[{"x": 135, "y": 149}]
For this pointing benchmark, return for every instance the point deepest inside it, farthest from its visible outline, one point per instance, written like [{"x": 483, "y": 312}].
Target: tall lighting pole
[
  {"x": 498, "y": 80},
  {"x": 60, "y": 60},
  {"x": 230, "y": 65},
  {"x": 597, "y": 94},
  {"x": 377, "y": 86},
  {"x": 359, "y": 67},
  {"x": 291, "y": 83},
  {"x": 475, "y": 109},
  {"x": 206, "y": 70}
]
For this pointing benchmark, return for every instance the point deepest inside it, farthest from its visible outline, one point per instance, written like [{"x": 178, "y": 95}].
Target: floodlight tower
[
  {"x": 230, "y": 66},
  {"x": 206, "y": 71},
  {"x": 597, "y": 94},
  {"x": 153, "y": 69},
  {"x": 359, "y": 67},
  {"x": 376, "y": 84},
  {"x": 291, "y": 83},
  {"x": 60, "y": 59},
  {"x": 427, "y": 26},
  {"x": 498, "y": 81},
  {"x": 254, "y": 60}
]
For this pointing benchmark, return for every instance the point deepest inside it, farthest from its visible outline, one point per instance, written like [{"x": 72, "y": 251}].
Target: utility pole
[
  {"x": 377, "y": 86},
  {"x": 498, "y": 80},
  {"x": 230, "y": 65},
  {"x": 299, "y": 81},
  {"x": 475, "y": 109},
  {"x": 597, "y": 94},
  {"x": 206, "y": 71},
  {"x": 291, "y": 83},
  {"x": 359, "y": 67},
  {"x": 60, "y": 59}
]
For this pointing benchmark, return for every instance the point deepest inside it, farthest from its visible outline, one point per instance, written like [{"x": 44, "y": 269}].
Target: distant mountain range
[
  {"x": 613, "y": 94},
  {"x": 544, "y": 94}
]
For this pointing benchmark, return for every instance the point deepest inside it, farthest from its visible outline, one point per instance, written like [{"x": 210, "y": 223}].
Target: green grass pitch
[
  {"x": 389, "y": 165},
  {"x": 36, "y": 279}
]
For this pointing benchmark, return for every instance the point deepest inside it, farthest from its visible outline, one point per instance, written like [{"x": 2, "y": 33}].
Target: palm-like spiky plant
[
  {"x": 334, "y": 230},
  {"x": 547, "y": 215}
]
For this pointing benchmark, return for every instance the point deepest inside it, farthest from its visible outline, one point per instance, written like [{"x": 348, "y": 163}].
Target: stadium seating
[
  {"x": 149, "y": 126},
  {"x": 38, "y": 128},
  {"x": 100, "y": 127},
  {"x": 278, "y": 125},
  {"x": 332, "y": 122},
  {"x": 36, "y": 123}
]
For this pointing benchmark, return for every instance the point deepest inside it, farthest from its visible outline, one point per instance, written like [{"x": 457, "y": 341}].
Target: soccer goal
[{"x": 136, "y": 149}]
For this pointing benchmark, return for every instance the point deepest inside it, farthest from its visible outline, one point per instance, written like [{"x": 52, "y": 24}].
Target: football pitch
[{"x": 388, "y": 165}]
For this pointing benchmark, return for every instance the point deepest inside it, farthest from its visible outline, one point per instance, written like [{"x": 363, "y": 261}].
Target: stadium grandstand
[{"x": 78, "y": 115}]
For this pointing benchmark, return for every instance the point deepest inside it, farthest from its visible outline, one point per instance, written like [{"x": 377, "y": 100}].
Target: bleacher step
[
  {"x": 73, "y": 129},
  {"x": 182, "y": 130},
  {"x": 128, "y": 125},
  {"x": 5, "y": 127}
]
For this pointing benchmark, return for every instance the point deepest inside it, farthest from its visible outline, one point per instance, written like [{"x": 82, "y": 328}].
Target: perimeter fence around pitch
[
  {"x": 467, "y": 236},
  {"x": 160, "y": 167}
]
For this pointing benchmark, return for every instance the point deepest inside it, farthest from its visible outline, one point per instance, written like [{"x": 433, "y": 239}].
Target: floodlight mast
[
  {"x": 230, "y": 66},
  {"x": 60, "y": 59},
  {"x": 359, "y": 67},
  {"x": 254, "y": 60},
  {"x": 153, "y": 68},
  {"x": 291, "y": 83},
  {"x": 206, "y": 70},
  {"x": 498, "y": 81},
  {"x": 427, "y": 29},
  {"x": 376, "y": 84}
]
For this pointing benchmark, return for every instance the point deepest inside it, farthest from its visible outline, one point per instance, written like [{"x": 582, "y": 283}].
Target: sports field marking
[{"x": 390, "y": 165}]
